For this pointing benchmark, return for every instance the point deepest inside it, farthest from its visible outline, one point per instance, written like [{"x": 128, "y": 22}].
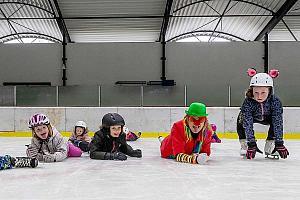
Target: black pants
[{"x": 241, "y": 131}]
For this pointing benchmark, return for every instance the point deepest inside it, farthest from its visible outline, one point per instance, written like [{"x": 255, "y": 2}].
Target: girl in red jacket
[{"x": 190, "y": 137}]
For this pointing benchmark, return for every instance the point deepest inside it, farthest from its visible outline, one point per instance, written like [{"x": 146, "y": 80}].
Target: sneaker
[{"x": 5, "y": 162}]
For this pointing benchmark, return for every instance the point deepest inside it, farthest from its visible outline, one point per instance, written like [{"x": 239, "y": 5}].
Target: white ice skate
[
  {"x": 244, "y": 148},
  {"x": 269, "y": 147}
]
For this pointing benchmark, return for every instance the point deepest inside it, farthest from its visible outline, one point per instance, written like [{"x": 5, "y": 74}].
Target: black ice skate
[{"x": 19, "y": 162}]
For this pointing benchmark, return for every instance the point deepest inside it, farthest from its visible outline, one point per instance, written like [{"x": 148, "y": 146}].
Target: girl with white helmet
[
  {"x": 47, "y": 144},
  {"x": 263, "y": 107},
  {"x": 80, "y": 138}
]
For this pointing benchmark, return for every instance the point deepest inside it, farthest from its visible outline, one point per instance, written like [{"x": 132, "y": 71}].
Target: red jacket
[{"x": 178, "y": 142}]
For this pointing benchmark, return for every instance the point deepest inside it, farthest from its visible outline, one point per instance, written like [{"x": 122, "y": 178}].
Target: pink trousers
[{"x": 73, "y": 151}]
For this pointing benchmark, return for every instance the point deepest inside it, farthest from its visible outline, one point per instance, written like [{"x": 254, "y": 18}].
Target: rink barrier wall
[
  {"x": 289, "y": 136},
  {"x": 151, "y": 121}
]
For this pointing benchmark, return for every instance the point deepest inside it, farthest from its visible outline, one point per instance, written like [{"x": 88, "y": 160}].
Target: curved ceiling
[{"x": 149, "y": 20}]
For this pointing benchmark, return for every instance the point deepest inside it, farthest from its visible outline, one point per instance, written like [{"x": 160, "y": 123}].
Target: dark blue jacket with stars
[{"x": 254, "y": 111}]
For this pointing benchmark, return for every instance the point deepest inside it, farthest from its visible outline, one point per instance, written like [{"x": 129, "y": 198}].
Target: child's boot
[
  {"x": 131, "y": 136},
  {"x": 244, "y": 147},
  {"x": 269, "y": 148},
  {"x": 24, "y": 162}
]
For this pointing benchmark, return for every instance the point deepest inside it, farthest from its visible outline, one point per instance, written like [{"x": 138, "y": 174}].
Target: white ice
[{"x": 226, "y": 176}]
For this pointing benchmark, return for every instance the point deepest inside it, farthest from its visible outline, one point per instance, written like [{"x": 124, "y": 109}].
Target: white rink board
[
  {"x": 7, "y": 116},
  {"x": 144, "y": 119}
]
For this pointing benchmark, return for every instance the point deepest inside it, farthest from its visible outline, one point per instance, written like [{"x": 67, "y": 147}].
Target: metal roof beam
[
  {"x": 60, "y": 21},
  {"x": 206, "y": 31},
  {"x": 10, "y": 25},
  {"x": 291, "y": 32},
  {"x": 204, "y": 1},
  {"x": 165, "y": 22},
  {"x": 31, "y": 35},
  {"x": 220, "y": 20},
  {"x": 276, "y": 18}
]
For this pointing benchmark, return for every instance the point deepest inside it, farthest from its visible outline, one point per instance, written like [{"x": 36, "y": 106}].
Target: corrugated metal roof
[
  {"x": 13, "y": 26},
  {"x": 234, "y": 21},
  {"x": 281, "y": 32},
  {"x": 117, "y": 21},
  {"x": 141, "y": 20}
]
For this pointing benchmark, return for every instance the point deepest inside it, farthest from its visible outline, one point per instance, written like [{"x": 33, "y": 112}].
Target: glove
[
  {"x": 84, "y": 146},
  {"x": 115, "y": 156},
  {"x": 48, "y": 158},
  {"x": 202, "y": 158},
  {"x": 252, "y": 149},
  {"x": 32, "y": 152},
  {"x": 280, "y": 148},
  {"x": 40, "y": 157},
  {"x": 136, "y": 153}
]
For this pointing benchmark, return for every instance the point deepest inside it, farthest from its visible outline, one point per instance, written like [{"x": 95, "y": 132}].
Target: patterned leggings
[{"x": 241, "y": 131}]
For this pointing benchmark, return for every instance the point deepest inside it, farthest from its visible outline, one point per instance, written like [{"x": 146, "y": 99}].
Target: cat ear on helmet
[
  {"x": 274, "y": 73},
  {"x": 251, "y": 72}
]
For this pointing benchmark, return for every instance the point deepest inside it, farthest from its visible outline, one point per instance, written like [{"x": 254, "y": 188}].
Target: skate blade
[{"x": 272, "y": 157}]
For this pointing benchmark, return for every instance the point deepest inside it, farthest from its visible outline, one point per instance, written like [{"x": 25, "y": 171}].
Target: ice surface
[{"x": 226, "y": 176}]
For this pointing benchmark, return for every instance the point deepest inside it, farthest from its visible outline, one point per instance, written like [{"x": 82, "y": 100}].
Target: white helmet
[
  {"x": 261, "y": 79},
  {"x": 38, "y": 119},
  {"x": 81, "y": 124}
]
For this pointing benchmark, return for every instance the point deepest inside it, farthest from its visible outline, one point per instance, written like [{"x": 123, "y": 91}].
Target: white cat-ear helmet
[{"x": 262, "y": 79}]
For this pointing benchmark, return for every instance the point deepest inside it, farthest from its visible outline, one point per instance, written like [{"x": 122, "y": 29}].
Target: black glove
[
  {"x": 136, "y": 153},
  {"x": 115, "y": 156},
  {"x": 84, "y": 146},
  {"x": 280, "y": 148},
  {"x": 252, "y": 149}
]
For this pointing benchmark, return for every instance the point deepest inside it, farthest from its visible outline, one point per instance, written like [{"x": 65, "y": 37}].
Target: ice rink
[{"x": 226, "y": 176}]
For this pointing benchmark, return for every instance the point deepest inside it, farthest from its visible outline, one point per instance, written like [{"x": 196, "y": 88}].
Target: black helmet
[{"x": 112, "y": 119}]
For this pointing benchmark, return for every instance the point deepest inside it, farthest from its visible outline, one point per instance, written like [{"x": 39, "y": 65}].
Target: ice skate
[
  {"x": 19, "y": 162},
  {"x": 5, "y": 162},
  {"x": 244, "y": 147},
  {"x": 131, "y": 136},
  {"x": 160, "y": 139},
  {"x": 269, "y": 147},
  {"x": 215, "y": 138}
]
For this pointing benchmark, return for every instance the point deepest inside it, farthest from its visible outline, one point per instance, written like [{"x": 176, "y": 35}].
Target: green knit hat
[{"x": 197, "y": 110}]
